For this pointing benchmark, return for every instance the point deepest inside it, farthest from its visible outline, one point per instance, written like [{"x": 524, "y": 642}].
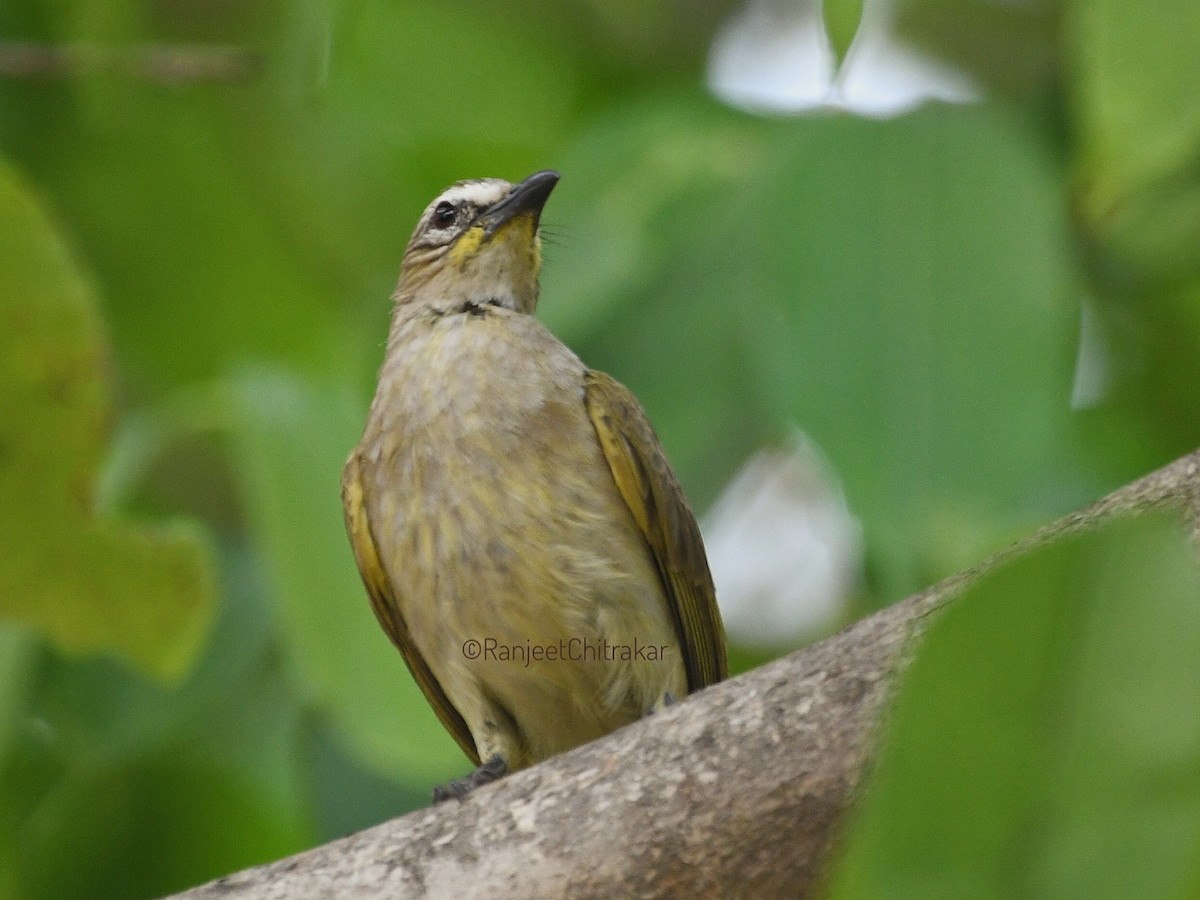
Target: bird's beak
[{"x": 526, "y": 198}]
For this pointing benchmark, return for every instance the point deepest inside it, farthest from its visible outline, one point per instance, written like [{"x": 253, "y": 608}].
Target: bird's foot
[
  {"x": 490, "y": 771},
  {"x": 667, "y": 699}
]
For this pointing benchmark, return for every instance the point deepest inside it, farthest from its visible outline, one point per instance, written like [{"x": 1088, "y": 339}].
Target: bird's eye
[{"x": 444, "y": 214}]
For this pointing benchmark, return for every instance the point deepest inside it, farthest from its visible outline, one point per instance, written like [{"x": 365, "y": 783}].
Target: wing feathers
[{"x": 648, "y": 486}]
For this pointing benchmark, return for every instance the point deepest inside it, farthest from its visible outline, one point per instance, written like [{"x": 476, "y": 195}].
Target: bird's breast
[
  {"x": 489, "y": 371},
  {"x": 497, "y": 517},
  {"x": 480, "y": 442}
]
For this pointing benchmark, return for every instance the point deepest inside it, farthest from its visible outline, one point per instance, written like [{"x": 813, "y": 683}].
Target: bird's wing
[
  {"x": 387, "y": 610},
  {"x": 649, "y": 488}
]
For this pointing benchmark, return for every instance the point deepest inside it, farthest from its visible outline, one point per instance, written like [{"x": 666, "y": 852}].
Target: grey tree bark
[{"x": 737, "y": 791}]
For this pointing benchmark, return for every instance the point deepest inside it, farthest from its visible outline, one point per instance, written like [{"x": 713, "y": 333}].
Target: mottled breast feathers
[
  {"x": 387, "y": 609},
  {"x": 646, "y": 483}
]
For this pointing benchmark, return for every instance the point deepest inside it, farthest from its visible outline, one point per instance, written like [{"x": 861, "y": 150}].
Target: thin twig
[{"x": 171, "y": 64}]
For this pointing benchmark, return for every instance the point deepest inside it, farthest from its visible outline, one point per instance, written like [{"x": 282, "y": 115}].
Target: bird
[{"x": 523, "y": 540}]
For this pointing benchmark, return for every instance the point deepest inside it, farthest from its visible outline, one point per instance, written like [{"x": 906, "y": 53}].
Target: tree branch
[
  {"x": 736, "y": 791},
  {"x": 163, "y": 64}
]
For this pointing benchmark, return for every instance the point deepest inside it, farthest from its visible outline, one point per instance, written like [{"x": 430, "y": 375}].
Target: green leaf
[
  {"x": 842, "y": 18},
  {"x": 293, "y": 436},
  {"x": 1046, "y": 740},
  {"x": 908, "y": 292},
  {"x": 146, "y": 592}
]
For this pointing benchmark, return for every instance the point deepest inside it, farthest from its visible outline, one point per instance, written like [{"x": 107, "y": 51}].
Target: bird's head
[{"x": 476, "y": 243}]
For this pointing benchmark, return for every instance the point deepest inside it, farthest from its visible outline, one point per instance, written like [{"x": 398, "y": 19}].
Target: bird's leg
[
  {"x": 667, "y": 699},
  {"x": 490, "y": 771}
]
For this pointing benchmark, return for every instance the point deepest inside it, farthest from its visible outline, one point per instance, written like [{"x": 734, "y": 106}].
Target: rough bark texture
[{"x": 737, "y": 791}]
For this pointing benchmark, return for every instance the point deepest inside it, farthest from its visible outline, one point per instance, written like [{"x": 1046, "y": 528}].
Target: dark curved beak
[{"x": 528, "y": 197}]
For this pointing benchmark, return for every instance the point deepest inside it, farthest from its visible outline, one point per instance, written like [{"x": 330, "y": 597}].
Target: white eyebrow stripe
[{"x": 481, "y": 193}]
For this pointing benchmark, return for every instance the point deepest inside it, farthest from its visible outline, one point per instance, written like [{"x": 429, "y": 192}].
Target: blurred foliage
[
  {"x": 1046, "y": 738},
  {"x": 90, "y": 584},
  {"x": 193, "y": 301}
]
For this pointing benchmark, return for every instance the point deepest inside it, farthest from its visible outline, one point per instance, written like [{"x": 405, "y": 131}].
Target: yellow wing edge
[
  {"x": 387, "y": 610},
  {"x": 650, "y": 490}
]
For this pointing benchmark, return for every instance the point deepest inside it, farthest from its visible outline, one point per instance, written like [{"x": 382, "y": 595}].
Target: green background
[{"x": 194, "y": 281}]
